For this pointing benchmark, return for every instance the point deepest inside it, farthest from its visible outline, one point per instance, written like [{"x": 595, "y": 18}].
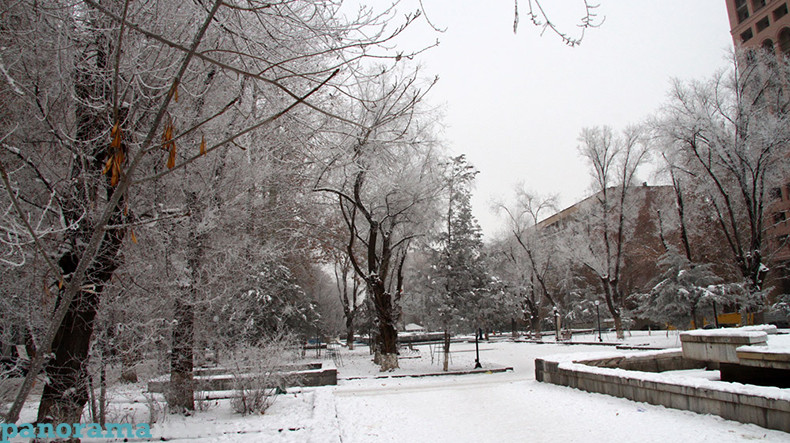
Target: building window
[
  {"x": 747, "y": 35},
  {"x": 757, "y": 4},
  {"x": 779, "y": 217},
  {"x": 762, "y": 24},
  {"x": 780, "y": 12},
  {"x": 768, "y": 45},
  {"x": 776, "y": 193},
  {"x": 742, "y": 10},
  {"x": 784, "y": 41}
]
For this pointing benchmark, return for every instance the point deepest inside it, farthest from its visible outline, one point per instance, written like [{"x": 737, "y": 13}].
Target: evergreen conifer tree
[{"x": 457, "y": 275}]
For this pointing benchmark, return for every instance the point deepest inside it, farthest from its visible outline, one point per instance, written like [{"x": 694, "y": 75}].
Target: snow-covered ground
[{"x": 496, "y": 407}]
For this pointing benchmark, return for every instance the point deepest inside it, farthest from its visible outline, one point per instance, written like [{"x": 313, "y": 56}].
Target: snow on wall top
[
  {"x": 692, "y": 382},
  {"x": 768, "y": 329},
  {"x": 603, "y": 355},
  {"x": 764, "y": 349},
  {"x": 574, "y": 361},
  {"x": 777, "y": 344},
  {"x": 747, "y": 331}
]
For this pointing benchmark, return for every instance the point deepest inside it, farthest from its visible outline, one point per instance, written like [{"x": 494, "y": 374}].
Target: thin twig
[{"x": 22, "y": 217}]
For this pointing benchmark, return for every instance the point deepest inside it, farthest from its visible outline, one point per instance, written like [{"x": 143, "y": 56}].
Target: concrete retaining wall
[
  {"x": 742, "y": 354},
  {"x": 650, "y": 362},
  {"x": 715, "y": 346},
  {"x": 763, "y": 358},
  {"x": 772, "y": 413},
  {"x": 220, "y": 370},
  {"x": 319, "y": 374}
]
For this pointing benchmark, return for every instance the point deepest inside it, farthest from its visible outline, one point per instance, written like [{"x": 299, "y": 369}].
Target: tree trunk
[
  {"x": 103, "y": 392},
  {"x": 128, "y": 368},
  {"x": 350, "y": 331},
  {"x": 557, "y": 326},
  {"x": 349, "y": 305},
  {"x": 128, "y": 354},
  {"x": 373, "y": 339},
  {"x": 446, "y": 347},
  {"x": 613, "y": 305},
  {"x": 618, "y": 325},
  {"x": 389, "y": 362},
  {"x": 696, "y": 323},
  {"x": 532, "y": 314},
  {"x": 534, "y": 326},
  {"x": 388, "y": 336},
  {"x": 66, "y": 391},
  {"x": 389, "y": 347},
  {"x": 181, "y": 396},
  {"x": 182, "y": 358}
]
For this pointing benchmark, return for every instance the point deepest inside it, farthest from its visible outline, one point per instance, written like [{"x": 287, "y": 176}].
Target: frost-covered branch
[{"x": 539, "y": 18}]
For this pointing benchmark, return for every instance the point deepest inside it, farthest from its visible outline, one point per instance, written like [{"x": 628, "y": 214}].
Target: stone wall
[
  {"x": 719, "y": 345},
  {"x": 649, "y": 362},
  {"x": 315, "y": 374},
  {"x": 734, "y": 404}
]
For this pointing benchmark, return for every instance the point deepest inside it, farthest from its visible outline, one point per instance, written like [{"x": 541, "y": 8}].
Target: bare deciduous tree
[
  {"x": 536, "y": 252},
  {"x": 727, "y": 137},
  {"x": 600, "y": 237},
  {"x": 94, "y": 120},
  {"x": 537, "y": 14},
  {"x": 383, "y": 177}
]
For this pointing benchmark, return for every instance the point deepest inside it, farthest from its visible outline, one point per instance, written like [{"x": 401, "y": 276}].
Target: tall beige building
[
  {"x": 766, "y": 24},
  {"x": 760, "y": 23}
]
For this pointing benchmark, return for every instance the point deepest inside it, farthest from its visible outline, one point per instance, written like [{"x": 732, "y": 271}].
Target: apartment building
[
  {"x": 766, "y": 24},
  {"x": 760, "y": 23}
]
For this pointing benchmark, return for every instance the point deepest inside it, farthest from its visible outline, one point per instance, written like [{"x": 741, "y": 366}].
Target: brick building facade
[{"x": 766, "y": 24}]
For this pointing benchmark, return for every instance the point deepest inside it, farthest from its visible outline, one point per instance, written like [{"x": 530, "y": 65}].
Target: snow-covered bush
[
  {"x": 681, "y": 293},
  {"x": 261, "y": 372},
  {"x": 780, "y": 310},
  {"x": 155, "y": 408}
]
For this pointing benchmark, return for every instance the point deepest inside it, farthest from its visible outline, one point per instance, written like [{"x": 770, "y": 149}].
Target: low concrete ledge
[
  {"x": 764, "y": 406},
  {"x": 742, "y": 354},
  {"x": 434, "y": 374},
  {"x": 312, "y": 374},
  {"x": 764, "y": 357},
  {"x": 418, "y": 337},
  {"x": 664, "y": 360},
  {"x": 719, "y": 345},
  {"x": 220, "y": 370}
]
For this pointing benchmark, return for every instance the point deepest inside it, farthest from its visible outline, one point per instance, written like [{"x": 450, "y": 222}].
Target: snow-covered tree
[
  {"x": 349, "y": 290},
  {"x": 457, "y": 277},
  {"x": 600, "y": 234},
  {"x": 681, "y": 293},
  {"x": 534, "y": 251},
  {"x": 103, "y": 100},
  {"x": 383, "y": 173},
  {"x": 728, "y": 137}
]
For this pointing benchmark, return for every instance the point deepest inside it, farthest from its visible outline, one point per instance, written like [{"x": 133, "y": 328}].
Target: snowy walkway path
[
  {"x": 513, "y": 407},
  {"x": 495, "y": 408},
  {"x": 503, "y": 407}
]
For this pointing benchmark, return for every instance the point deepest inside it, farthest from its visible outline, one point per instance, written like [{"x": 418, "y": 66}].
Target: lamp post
[
  {"x": 598, "y": 314},
  {"x": 556, "y": 324},
  {"x": 477, "y": 350}
]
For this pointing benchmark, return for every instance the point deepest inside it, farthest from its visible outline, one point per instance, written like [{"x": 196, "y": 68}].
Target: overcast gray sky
[{"x": 515, "y": 104}]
